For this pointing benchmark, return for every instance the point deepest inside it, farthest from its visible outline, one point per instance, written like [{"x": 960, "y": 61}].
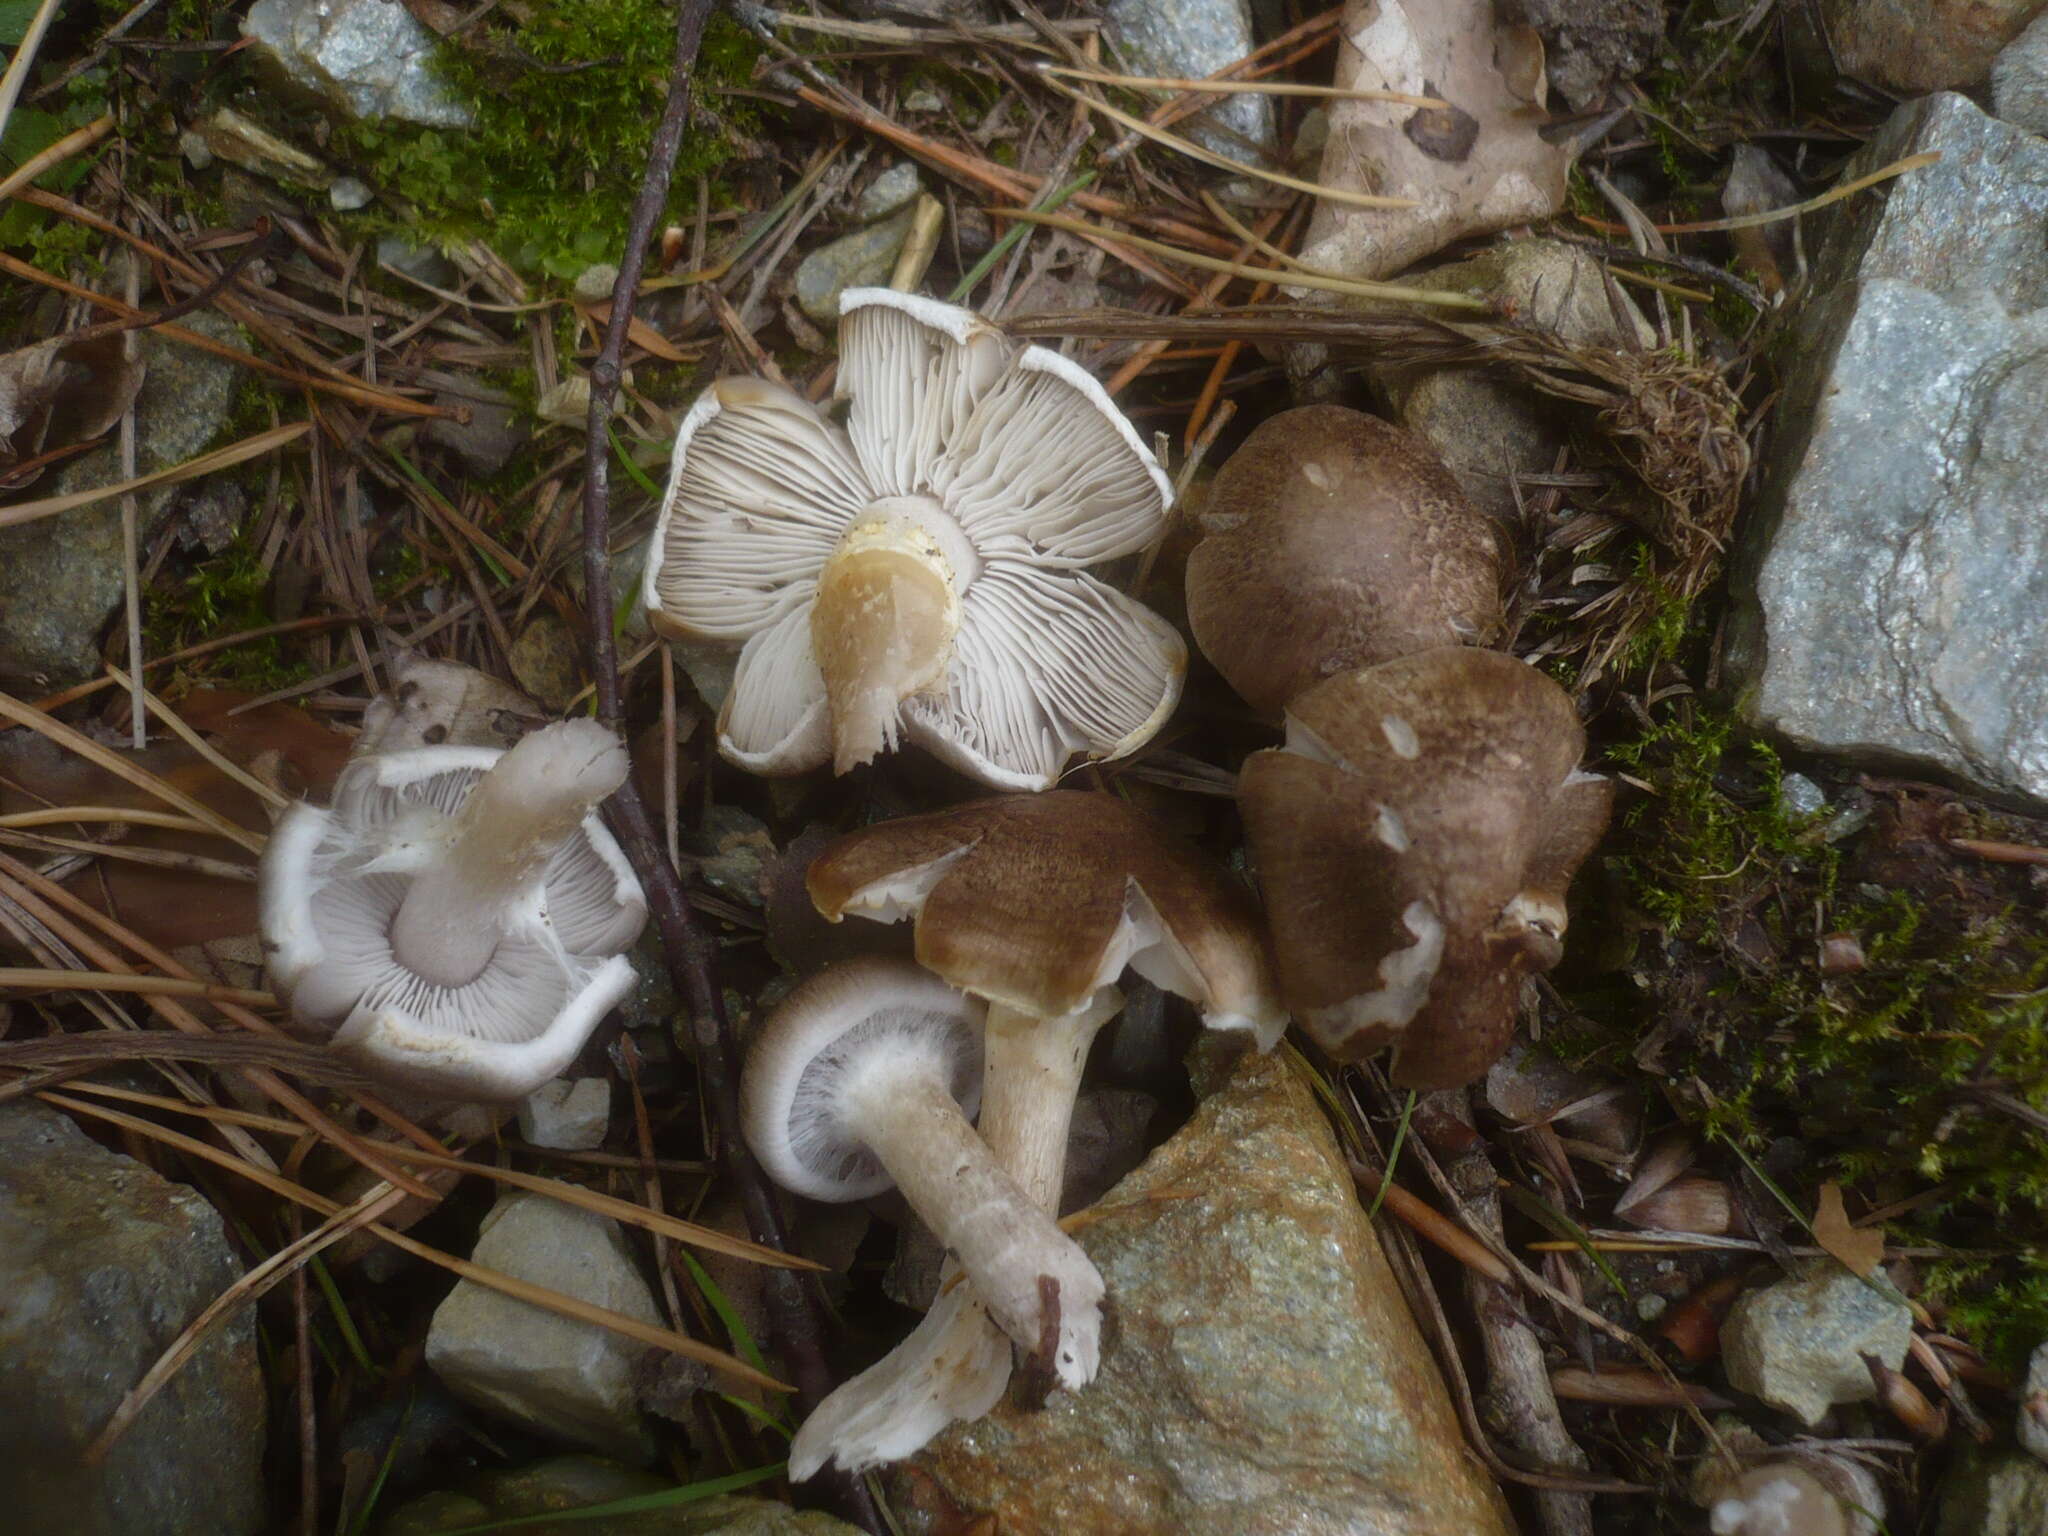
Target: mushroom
[
  {"x": 1414, "y": 838},
  {"x": 864, "y": 1078},
  {"x": 456, "y": 917},
  {"x": 1335, "y": 541},
  {"x": 921, "y": 572},
  {"x": 1820, "y": 1496}
]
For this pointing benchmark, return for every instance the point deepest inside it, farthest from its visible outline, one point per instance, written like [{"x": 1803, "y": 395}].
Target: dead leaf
[
  {"x": 1860, "y": 1248},
  {"x": 58, "y": 394},
  {"x": 1476, "y": 167}
]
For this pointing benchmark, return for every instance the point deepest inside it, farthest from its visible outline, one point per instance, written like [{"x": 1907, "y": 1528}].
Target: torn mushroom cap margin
[
  {"x": 1335, "y": 541},
  {"x": 388, "y": 1040},
  {"x": 1039, "y": 902},
  {"x": 1414, "y": 839}
]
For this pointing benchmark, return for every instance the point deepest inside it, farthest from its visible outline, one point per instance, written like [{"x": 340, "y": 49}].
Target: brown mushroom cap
[
  {"x": 1414, "y": 838},
  {"x": 1039, "y": 901},
  {"x": 1335, "y": 541}
]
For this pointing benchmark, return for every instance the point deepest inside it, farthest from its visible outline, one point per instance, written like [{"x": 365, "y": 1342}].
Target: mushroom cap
[
  {"x": 829, "y": 1026},
  {"x": 1027, "y": 474},
  {"x": 1335, "y": 541},
  {"x": 1038, "y": 902},
  {"x": 1414, "y": 838},
  {"x": 330, "y": 887}
]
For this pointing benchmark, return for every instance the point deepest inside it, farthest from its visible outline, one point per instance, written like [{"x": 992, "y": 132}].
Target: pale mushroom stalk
[
  {"x": 882, "y": 628},
  {"x": 1003, "y": 1239},
  {"x": 521, "y": 812},
  {"x": 1030, "y": 1082}
]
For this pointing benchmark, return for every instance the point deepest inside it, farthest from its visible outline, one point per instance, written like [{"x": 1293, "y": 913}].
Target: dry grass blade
[
  {"x": 1811, "y": 205},
  {"x": 157, "y": 858},
  {"x": 1194, "y": 151},
  {"x": 1237, "y": 87},
  {"x": 75, "y": 142},
  {"x": 114, "y": 981},
  {"x": 64, "y": 815},
  {"x": 168, "y": 716},
  {"x": 206, "y": 464},
  {"x": 1391, "y": 293},
  {"x": 248, "y": 1288},
  {"x": 64, "y": 1053},
  {"x": 64, "y": 736},
  {"x": 24, "y": 55},
  {"x": 522, "y": 1290}
]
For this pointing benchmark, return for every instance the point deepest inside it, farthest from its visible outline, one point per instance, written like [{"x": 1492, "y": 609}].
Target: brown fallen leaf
[
  {"x": 1475, "y": 167},
  {"x": 58, "y": 394},
  {"x": 1860, "y": 1248}
]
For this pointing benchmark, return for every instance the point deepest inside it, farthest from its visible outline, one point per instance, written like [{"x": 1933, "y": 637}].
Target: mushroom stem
[
  {"x": 514, "y": 819},
  {"x": 1004, "y": 1241},
  {"x": 1031, "y": 1077},
  {"x": 882, "y": 627}
]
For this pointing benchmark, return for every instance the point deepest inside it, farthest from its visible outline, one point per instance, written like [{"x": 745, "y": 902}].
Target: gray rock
[
  {"x": 63, "y": 573},
  {"x": 893, "y": 190},
  {"x": 1193, "y": 38},
  {"x": 102, "y": 1265},
  {"x": 2033, "y": 1418},
  {"x": 495, "y": 431},
  {"x": 1260, "y": 1373},
  {"x": 1907, "y": 46},
  {"x": 861, "y": 259},
  {"x": 363, "y": 58},
  {"x": 568, "y": 1114},
  {"x": 575, "y": 1482},
  {"x": 1589, "y": 44},
  {"x": 1893, "y": 590},
  {"x": 2003, "y": 1494},
  {"x": 348, "y": 194},
  {"x": 594, "y": 284},
  {"x": 212, "y": 516},
  {"x": 547, "y": 660},
  {"x": 1799, "y": 1343},
  {"x": 1801, "y": 796},
  {"x": 1485, "y": 429},
  {"x": 424, "y": 263},
  {"x": 554, "y": 1374},
  {"x": 731, "y": 850},
  {"x": 2019, "y": 79}
]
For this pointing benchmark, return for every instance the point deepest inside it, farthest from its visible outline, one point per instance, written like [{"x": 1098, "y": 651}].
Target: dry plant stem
[
  {"x": 1518, "y": 1392},
  {"x": 794, "y": 1308}
]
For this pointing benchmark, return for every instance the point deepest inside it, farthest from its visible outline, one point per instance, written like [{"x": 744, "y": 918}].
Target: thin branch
[{"x": 794, "y": 1311}]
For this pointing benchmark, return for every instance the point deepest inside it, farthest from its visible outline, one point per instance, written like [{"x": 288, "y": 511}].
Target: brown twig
[{"x": 797, "y": 1321}]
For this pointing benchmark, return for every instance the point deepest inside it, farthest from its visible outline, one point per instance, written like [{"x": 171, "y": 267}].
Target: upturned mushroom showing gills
[
  {"x": 1335, "y": 541},
  {"x": 864, "y": 1078},
  {"x": 921, "y": 573},
  {"x": 1414, "y": 838},
  {"x": 457, "y": 916}
]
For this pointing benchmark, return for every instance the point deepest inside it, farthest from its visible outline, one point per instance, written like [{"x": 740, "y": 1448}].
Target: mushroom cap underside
[{"x": 855, "y": 1017}]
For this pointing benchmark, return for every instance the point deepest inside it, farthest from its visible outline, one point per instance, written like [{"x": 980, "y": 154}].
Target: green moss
[
  {"x": 566, "y": 105},
  {"x": 1882, "y": 1073},
  {"x": 223, "y": 594}
]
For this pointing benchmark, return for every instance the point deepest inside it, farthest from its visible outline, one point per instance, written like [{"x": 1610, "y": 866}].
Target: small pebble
[
  {"x": 348, "y": 194},
  {"x": 594, "y": 283},
  {"x": 891, "y": 190}
]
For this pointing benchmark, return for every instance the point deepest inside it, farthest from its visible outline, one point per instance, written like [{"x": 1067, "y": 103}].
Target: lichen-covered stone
[
  {"x": 859, "y": 260},
  {"x": 102, "y": 1265},
  {"x": 1893, "y": 591},
  {"x": 1261, "y": 1373},
  {"x": 1799, "y": 1344},
  {"x": 1188, "y": 39},
  {"x": 367, "y": 59},
  {"x": 1999, "y": 1494},
  {"x": 62, "y": 574}
]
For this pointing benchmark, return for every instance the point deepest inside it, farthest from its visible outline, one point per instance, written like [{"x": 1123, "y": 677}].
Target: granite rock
[
  {"x": 554, "y": 1374},
  {"x": 1189, "y": 39},
  {"x": 102, "y": 1265},
  {"x": 368, "y": 59},
  {"x": 63, "y": 573},
  {"x": 1261, "y": 1373},
  {"x": 1799, "y": 1343},
  {"x": 859, "y": 260},
  {"x": 1892, "y": 590},
  {"x": 2019, "y": 79},
  {"x": 1908, "y": 46}
]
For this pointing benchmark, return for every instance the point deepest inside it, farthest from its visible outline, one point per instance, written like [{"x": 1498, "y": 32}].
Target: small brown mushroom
[
  {"x": 1335, "y": 541},
  {"x": 1414, "y": 838}
]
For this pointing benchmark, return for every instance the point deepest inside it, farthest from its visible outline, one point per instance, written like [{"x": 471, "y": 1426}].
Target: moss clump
[
  {"x": 566, "y": 104},
  {"x": 1919, "y": 1071},
  {"x": 223, "y": 594}
]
